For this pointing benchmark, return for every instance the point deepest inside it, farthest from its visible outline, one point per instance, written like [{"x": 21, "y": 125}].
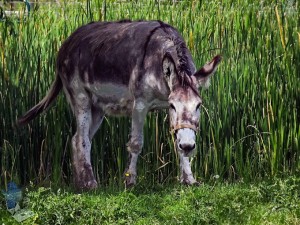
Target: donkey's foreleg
[
  {"x": 186, "y": 175},
  {"x": 81, "y": 144},
  {"x": 135, "y": 144}
]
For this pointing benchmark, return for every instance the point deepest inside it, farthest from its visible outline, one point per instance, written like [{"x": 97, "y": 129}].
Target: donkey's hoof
[
  {"x": 197, "y": 184},
  {"x": 130, "y": 180},
  {"x": 86, "y": 186},
  {"x": 190, "y": 182},
  {"x": 92, "y": 184}
]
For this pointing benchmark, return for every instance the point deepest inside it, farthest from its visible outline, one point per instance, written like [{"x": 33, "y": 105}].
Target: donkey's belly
[{"x": 112, "y": 99}]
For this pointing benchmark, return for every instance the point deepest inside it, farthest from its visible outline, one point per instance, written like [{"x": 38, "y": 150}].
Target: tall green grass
[{"x": 250, "y": 119}]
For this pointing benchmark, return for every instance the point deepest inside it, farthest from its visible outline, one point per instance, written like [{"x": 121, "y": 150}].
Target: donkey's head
[{"x": 185, "y": 101}]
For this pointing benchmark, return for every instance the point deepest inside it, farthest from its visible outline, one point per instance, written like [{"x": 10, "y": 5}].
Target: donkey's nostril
[{"x": 187, "y": 147}]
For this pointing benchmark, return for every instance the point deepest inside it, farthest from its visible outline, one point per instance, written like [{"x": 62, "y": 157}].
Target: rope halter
[{"x": 184, "y": 125}]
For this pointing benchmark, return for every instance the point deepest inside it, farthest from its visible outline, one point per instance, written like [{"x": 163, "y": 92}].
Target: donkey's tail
[{"x": 43, "y": 104}]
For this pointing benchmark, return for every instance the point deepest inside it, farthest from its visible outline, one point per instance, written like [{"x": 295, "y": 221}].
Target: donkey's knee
[{"x": 135, "y": 144}]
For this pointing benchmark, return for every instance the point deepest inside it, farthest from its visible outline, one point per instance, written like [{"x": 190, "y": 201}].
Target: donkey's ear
[
  {"x": 203, "y": 75},
  {"x": 169, "y": 70}
]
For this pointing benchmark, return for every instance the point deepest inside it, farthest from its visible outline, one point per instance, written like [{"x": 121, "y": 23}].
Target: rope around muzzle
[{"x": 181, "y": 126}]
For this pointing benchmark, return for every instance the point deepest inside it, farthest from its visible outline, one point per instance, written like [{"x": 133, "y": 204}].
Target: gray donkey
[{"x": 127, "y": 68}]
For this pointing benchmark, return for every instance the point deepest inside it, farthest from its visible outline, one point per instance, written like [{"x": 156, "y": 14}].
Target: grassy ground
[
  {"x": 276, "y": 202},
  {"x": 250, "y": 128}
]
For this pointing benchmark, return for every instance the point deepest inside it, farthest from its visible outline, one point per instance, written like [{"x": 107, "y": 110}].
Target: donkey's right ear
[{"x": 169, "y": 70}]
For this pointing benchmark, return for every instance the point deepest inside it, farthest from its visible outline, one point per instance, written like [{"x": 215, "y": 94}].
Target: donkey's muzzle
[{"x": 185, "y": 140}]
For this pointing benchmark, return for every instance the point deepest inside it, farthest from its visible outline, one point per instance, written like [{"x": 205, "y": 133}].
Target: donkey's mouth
[{"x": 186, "y": 149}]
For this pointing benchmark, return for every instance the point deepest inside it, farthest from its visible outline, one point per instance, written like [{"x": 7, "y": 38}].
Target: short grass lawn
[{"x": 272, "y": 202}]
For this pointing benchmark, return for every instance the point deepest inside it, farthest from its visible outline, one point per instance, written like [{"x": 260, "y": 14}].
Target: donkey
[{"x": 127, "y": 68}]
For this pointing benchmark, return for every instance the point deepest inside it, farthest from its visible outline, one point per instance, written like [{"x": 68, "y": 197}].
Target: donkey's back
[{"x": 111, "y": 51}]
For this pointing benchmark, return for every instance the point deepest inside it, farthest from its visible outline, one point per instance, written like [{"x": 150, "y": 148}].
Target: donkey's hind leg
[{"x": 81, "y": 144}]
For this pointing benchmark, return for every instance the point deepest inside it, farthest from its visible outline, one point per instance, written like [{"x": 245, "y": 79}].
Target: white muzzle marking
[{"x": 186, "y": 140}]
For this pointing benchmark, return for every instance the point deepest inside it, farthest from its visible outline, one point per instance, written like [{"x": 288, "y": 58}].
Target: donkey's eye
[
  {"x": 172, "y": 107},
  {"x": 168, "y": 72},
  {"x": 198, "y": 106}
]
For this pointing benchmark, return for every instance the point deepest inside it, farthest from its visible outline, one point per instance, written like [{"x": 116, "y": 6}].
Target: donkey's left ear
[
  {"x": 169, "y": 70},
  {"x": 203, "y": 75}
]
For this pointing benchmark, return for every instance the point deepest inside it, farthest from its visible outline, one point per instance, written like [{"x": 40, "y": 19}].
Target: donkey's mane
[
  {"x": 183, "y": 62},
  {"x": 162, "y": 26},
  {"x": 182, "y": 66}
]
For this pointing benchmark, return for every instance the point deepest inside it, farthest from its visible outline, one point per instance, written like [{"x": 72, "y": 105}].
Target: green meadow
[
  {"x": 249, "y": 129},
  {"x": 216, "y": 202}
]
